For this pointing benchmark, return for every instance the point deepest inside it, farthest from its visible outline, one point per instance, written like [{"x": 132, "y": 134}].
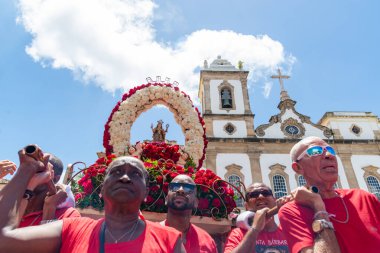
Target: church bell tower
[{"x": 225, "y": 103}]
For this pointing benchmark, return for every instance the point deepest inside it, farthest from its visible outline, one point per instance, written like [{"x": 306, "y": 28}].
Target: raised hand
[
  {"x": 58, "y": 198},
  {"x": 306, "y": 197},
  {"x": 42, "y": 177},
  {"x": 259, "y": 220},
  {"x": 30, "y": 165},
  {"x": 7, "y": 167}
]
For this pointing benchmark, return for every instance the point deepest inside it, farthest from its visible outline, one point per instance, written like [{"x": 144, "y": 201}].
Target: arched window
[
  {"x": 301, "y": 180},
  {"x": 226, "y": 98},
  {"x": 374, "y": 185},
  {"x": 235, "y": 180},
  {"x": 279, "y": 186}
]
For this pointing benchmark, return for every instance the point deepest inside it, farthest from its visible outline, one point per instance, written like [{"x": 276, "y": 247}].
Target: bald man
[
  {"x": 181, "y": 200},
  {"x": 333, "y": 220}
]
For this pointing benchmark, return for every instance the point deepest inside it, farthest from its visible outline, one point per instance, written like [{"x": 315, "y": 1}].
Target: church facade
[{"x": 240, "y": 151}]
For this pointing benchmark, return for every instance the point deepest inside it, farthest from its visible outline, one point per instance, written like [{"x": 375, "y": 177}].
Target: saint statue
[{"x": 158, "y": 132}]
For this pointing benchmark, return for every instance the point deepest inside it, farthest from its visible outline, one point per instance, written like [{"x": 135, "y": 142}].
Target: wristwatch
[
  {"x": 28, "y": 194},
  {"x": 319, "y": 225}
]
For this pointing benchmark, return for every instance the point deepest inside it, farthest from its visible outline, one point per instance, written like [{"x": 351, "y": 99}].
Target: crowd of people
[{"x": 325, "y": 220}]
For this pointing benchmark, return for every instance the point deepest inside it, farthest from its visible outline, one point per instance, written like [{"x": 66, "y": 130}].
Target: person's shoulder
[
  {"x": 237, "y": 232},
  {"x": 292, "y": 209},
  {"x": 289, "y": 207},
  {"x": 199, "y": 231},
  {"x": 355, "y": 193},
  {"x": 67, "y": 212},
  {"x": 157, "y": 227},
  {"x": 79, "y": 221}
]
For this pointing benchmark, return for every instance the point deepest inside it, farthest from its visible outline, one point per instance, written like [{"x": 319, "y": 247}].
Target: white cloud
[
  {"x": 267, "y": 89},
  {"x": 112, "y": 43}
]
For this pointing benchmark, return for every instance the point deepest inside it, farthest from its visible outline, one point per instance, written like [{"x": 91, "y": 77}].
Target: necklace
[
  {"x": 347, "y": 214},
  {"x": 184, "y": 235},
  {"x": 131, "y": 232}
]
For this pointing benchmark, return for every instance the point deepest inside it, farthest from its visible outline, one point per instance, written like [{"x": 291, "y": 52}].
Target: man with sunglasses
[
  {"x": 181, "y": 200},
  {"x": 332, "y": 220},
  {"x": 264, "y": 235}
]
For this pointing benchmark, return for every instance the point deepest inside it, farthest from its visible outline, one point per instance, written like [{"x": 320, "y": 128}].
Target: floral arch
[
  {"x": 140, "y": 99},
  {"x": 163, "y": 161}
]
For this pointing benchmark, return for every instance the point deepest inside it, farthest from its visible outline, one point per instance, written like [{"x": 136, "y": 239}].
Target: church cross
[{"x": 280, "y": 77}]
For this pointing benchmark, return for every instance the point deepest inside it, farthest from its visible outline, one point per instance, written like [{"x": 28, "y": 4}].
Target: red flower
[
  {"x": 216, "y": 203},
  {"x": 160, "y": 202},
  {"x": 101, "y": 160},
  {"x": 78, "y": 196},
  {"x": 154, "y": 188},
  {"x": 149, "y": 199},
  {"x": 173, "y": 175},
  {"x": 87, "y": 186},
  {"x": 159, "y": 179},
  {"x": 165, "y": 187},
  {"x": 103, "y": 170},
  {"x": 203, "y": 203}
]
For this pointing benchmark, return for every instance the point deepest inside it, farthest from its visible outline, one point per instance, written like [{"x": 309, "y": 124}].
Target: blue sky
[{"x": 65, "y": 64}]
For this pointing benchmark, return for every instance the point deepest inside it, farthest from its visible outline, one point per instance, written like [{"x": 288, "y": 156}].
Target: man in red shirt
[
  {"x": 43, "y": 207},
  {"x": 263, "y": 235},
  {"x": 181, "y": 200},
  {"x": 123, "y": 229},
  {"x": 335, "y": 220}
]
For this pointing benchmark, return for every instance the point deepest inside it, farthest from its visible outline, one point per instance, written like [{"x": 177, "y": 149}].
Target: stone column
[
  {"x": 249, "y": 125},
  {"x": 210, "y": 161},
  {"x": 247, "y": 107},
  {"x": 254, "y": 158},
  {"x": 349, "y": 170},
  {"x": 207, "y": 97}
]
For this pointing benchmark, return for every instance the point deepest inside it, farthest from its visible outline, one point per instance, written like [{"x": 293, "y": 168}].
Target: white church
[{"x": 240, "y": 151}]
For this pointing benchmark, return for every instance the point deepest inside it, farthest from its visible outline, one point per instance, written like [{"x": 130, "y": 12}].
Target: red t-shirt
[
  {"x": 197, "y": 240},
  {"x": 34, "y": 219},
  {"x": 265, "y": 242},
  {"x": 360, "y": 234},
  {"x": 81, "y": 235}
]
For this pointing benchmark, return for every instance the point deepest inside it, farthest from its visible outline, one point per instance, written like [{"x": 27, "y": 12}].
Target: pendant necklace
[
  {"x": 131, "y": 232},
  {"x": 347, "y": 214}
]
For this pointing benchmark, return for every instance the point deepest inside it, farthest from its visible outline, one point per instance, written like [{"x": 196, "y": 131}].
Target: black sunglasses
[
  {"x": 255, "y": 194},
  {"x": 187, "y": 188}
]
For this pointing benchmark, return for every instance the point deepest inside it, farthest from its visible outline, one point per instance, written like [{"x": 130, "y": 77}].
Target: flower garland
[
  {"x": 163, "y": 162},
  {"x": 139, "y": 99}
]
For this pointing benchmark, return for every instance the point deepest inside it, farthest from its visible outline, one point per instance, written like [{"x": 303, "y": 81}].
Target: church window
[
  {"x": 226, "y": 98},
  {"x": 356, "y": 129},
  {"x": 374, "y": 185},
  {"x": 235, "y": 180},
  {"x": 226, "y": 93},
  {"x": 279, "y": 186},
  {"x": 301, "y": 180},
  {"x": 229, "y": 128},
  {"x": 292, "y": 130}
]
